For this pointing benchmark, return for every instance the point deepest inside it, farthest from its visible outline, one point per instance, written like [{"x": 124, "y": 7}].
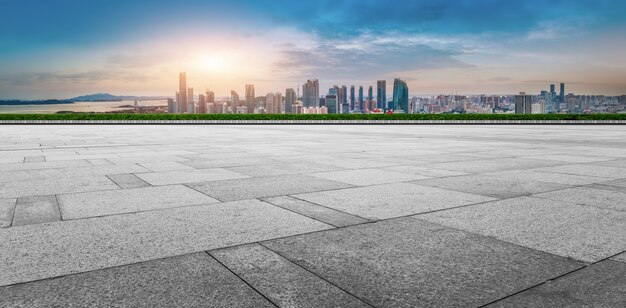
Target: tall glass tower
[
  {"x": 401, "y": 95},
  {"x": 352, "y": 98},
  {"x": 360, "y": 98},
  {"x": 381, "y": 94}
]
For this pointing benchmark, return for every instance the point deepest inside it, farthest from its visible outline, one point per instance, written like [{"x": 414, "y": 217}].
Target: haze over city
[{"x": 61, "y": 49}]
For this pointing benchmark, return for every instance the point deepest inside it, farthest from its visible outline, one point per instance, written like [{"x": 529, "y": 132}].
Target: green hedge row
[{"x": 102, "y": 116}]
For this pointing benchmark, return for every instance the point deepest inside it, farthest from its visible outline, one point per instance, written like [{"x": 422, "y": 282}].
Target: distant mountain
[
  {"x": 106, "y": 97},
  {"x": 14, "y": 102}
]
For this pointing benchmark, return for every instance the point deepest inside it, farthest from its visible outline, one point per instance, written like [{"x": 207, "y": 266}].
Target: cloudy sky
[{"x": 65, "y": 48}]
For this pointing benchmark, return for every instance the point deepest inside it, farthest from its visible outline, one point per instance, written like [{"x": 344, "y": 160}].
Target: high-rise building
[
  {"x": 311, "y": 93},
  {"x": 234, "y": 101},
  {"x": 290, "y": 99},
  {"x": 250, "y": 98},
  {"x": 210, "y": 97},
  {"x": 331, "y": 100},
  {"x": 523, "y": 103},
  {"x": 171, "y": 106},
  {"x": 360, "y": 107},
  {"x": 269, "y": 103},
  {"x": 279, "y": 106},
  {"x": 381, "y": 94},
  {"x": 370, "y": 94},
  {"x": 191, "y": 106},
  {"x": 562, "y": 94},
  {"x": 202, "y": 105},
  {"x": 182, "y": 92},
  {"x": 400, "y": 95},
  {"x": 352, "y": 98}
]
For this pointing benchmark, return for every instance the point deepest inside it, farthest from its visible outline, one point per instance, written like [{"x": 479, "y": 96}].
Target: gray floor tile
[
  {"x": 128, "y": 180},
  {"x": 7, "y": 208},
  {"x": 83, "y": 245},
  {"x": 102, "y": 203},
  {"x": 265, "y": 187},
  {"x": 491, "y": 165},
  {"x": 321, "y": 213},
  {"x": 599, "y": 285},
  {"x": 547, "y": 177},
  {"x": 283, "y": 169},
  {"x": 59, "y": 185},
  {"x": 492, "y": 186},
  {"x": 411, "y": 263},
  {"x": 363, "y": 177},
  {"x": 588, "y": 169},
  {"x": 602, "y": 198},
  {"x": 391, "y": 200},
  {"x": 34, "y": 159},
  {"x": 165, "y": 166},
  {"x": 570, "y": 158},
  {"x": 189, "y": 176},
  {"x": 425, "y": 172},
  {"x": 195, "y": 280},
  {"x": 227, "y": 161},
  {"x": 36, "y": 210},
  {"x": 574, "y": 231},
  {"x": 280, "y": 280}
]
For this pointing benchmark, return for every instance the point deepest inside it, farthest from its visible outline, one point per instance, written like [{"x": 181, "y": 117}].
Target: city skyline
[{"x": 66, "y": 49}]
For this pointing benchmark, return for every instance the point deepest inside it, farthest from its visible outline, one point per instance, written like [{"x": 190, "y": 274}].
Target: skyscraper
[
  {"x": 331, "y": 100},
  {"x": 381, "y": 94},
  {"x": 234, "y": 101},
  {"x": 523, "y": 103},
  {"x": 202, "y": 105},
  {"x": 171, "y": 106},
  {"x": 250, "y": 98},
  {"x": 311, "y": 93},
  {"x": 182, "y": 92},
  {"x": 210, "y": 97},
  {"x": 290, "y": 99},
  {"x": 562, "y": 94},
  {"x": 370, "y": 93},
  {"x": 400, "y": 95},
  {"x": 269, "y": 103},
  {"x": 360, "y": 107},
  {"x": 191, "y": 106},
  {"x": 352, "y": 98}
]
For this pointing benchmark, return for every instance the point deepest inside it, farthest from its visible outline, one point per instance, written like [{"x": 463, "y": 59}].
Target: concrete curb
[{"x": 312, "y": 122}]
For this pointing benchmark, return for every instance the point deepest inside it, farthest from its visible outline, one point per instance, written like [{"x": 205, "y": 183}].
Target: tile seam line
[
  {"x": 289, "y": 210},
  {"x": 241, "y": 279},
  {"x": 330, "y": 208},
  {"x": 316, "y": 275}
]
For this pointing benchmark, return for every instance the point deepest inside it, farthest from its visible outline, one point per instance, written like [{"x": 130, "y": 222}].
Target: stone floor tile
[
  {"x": 102, "y": 203},
  {"x": 424, "y": 171},
  {"x": 546, "y": 177},
  {"x": 570, "y": 230},
  {"x": 492, "y": 186},
  {"x": 281, "y": 281},
  {"x": 165, "y": 166},
  {"x": 127, "y": 180},
  {"x": 599, "y": 285},
  {"x": 317, "y": 212},
  {"x": 265, "y": 187},
  {"x": 61, "y": 185},
  {"x": 195, "y": 280},
  {"x": 190, "y": 176},
  {"x": 227, "y": 161},
  {"x": 411, "y": 263},
  {"x": 391, "y": 200},
  {"x": 283, "y": 169},
  {"x": 602, "y": 198},
  {"x": 50, "y": 250},
  {"x": 588, "y": 170},
  {"x": 491, "y": 165},
  {"x": 363, "y": 177},
  {"x": 621, "y": 257},
  {"x": 34, "y": 159},
  {"x": 36, "y": 210},
  {"x": 7, "y": 208}
]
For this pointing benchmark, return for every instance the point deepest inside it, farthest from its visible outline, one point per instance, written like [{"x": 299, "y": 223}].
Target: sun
[{"x": 213, "y": 63}]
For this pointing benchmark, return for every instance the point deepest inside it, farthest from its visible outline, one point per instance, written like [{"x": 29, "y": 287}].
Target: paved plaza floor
[{"x": 313, "y": 216}]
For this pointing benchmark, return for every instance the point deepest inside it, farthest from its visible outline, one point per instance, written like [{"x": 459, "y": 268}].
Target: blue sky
[{"x": 63, "y": 48}]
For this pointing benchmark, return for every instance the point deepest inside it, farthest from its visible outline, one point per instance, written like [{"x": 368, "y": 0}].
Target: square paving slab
[
  {"x": 55, "y": 249},
  {"x": 189, "y": 176},
  {"x": 283, "y": 282},
  {"x": 411, "y": 263},
  {"x": 195, "y": 280},
  {"x": 102, "y": 203},
  {"x": 599, "y": 285},
  {"x": 391, "y": 200},
  {"x": 363, "y": 177},
  {"x": 265, "y": 187},
  {"x": 570, "y": 230},
  {"x": 602, "y": 198},
  {"x": 7, "y": 208}
]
